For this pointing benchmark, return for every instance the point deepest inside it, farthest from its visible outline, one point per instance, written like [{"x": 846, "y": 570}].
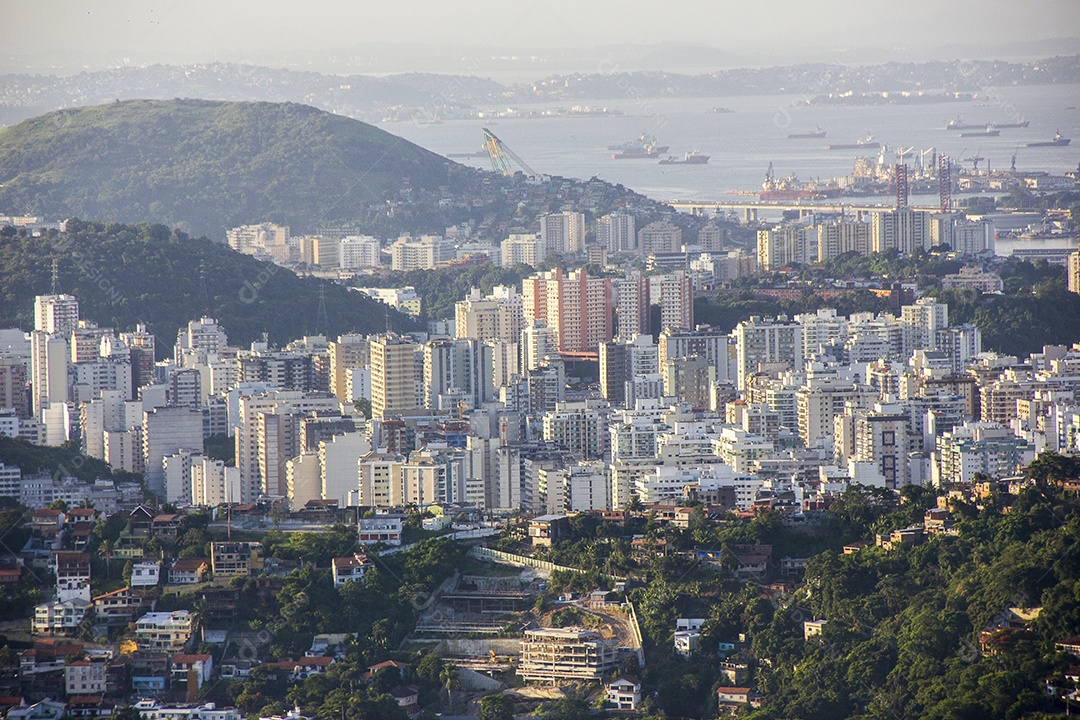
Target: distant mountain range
[
  {"x": 205, "y": 166},
  {"x": 426, "y": 96}
]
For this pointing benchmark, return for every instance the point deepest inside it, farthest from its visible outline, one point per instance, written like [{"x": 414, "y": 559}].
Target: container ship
[
  {"x": 817, "y": 133},
  {"x": 1058, "y": 141},
  {"x": 690, "y": 158},
  {"x": 867, "y": 143}
]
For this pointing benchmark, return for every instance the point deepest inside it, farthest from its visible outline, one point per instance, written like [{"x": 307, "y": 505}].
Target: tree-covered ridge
[
  {"x": 902, "y": 633},
  {"x": 128, "y": 274},
  {"x": 63, "y": 461},
  {"x": 442, "y": 288},
  {"x": 206, "y": 166},
  {"x": 1034, "y": 309}
]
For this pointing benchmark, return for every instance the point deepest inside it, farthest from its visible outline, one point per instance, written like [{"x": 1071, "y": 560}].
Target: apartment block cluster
[
  {"x": 487, "y": 415},
  {"x": 660, "y": 244},
  {"x": 817, "y": 239}
]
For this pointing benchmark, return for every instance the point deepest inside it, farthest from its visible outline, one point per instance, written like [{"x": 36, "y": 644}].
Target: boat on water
[
  {"x": 649, "y": 151},
  {"x": 691, "y": 158},
  {"x": 957, "y": 123},
  {"x": 1058, "y": 141},
  {"x": 1021, "y": 123},
  {"x": 817, "y": 133},
  {"x": 985, "y": 132},
  {"x": 867, "y": 143},
  {"x": 791, "y": 188},
  {"x": 643, "y": 142}
]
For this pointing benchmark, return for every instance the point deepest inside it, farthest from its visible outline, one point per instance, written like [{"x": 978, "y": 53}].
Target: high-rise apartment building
[
  {"x": 347, "y": 352},
  {"x": 359, "y": 251},
  {"x": 920, "y": 323},
  {"x": 393, "y": 376},
  {"x": 1073, "y": 275},
  {"x": 56, "y": 314},
  {"x": 631, "y": 294},
  {"x": 167, "y": 431},
  {"x": 767, "y": 340},
  {"x": 497, "y": 316},
  {"x": 903, "y": 229},
  {"x": 521, "y": 249},
  {"x": 201, "y": 338},
  {"x": 659, "y": 237},
  {"x": 785, "y": 245},
  {"x": 457, "y": 371},
  {"x": 563, "y": 233},
  {"x": 676, "y": 300},
  {"x": 842, "y": 236},
  {"x": 575, "y": 306},
  {"x": 616, "y": 232},
  {"x": 422, "y": 253}
]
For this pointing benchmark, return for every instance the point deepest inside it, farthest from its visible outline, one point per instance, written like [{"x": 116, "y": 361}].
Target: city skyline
[{"x": 525, "y": 40}]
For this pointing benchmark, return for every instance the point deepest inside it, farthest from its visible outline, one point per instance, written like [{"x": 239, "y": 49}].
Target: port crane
[
  {"x": 501, "y": 155},
  {"x": 932, "y": 152},
  {"x": 974, "y": 159},
  {"x": 902, "y": 152}
]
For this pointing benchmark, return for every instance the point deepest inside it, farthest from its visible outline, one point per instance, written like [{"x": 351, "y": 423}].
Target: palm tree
[
  {"x": 106, "y": 550},
  {"x": 448, "y": 676}
]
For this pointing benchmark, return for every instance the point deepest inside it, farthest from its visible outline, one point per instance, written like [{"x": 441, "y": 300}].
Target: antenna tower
[{"x": 322, "y": 318}]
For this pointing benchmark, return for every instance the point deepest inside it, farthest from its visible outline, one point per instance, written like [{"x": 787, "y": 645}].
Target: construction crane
[{"x": 501, "y": 155}]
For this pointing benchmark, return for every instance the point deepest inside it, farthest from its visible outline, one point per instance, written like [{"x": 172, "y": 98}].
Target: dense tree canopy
[
  {"x": 128, "y": 274},
  {"x": 206, "y": 166}
]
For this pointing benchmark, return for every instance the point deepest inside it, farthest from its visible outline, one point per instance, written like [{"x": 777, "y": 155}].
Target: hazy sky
[{"x": 310, "y": 33}]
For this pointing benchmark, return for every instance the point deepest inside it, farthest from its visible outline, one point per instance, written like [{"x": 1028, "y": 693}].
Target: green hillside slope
[
  {"x": 206, "y": 166},
  {"x": 127, "y": 274}
]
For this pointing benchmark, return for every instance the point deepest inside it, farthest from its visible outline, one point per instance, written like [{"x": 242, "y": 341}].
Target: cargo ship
[
  {"x": 817, "y": 133},
  {"x": 690, "y": 158},
  {"x": 1058, "y": 141},
  {"x": 790, "y": 188},
  {"x": 649, "y": 151},
  {"x": 641, "y": 143},
  {"x": 958, "y": 123},
  {"x": 1022, "y": 123},
  {"x": 985, "y": 132},
  {"x": 867, "y": 143}
]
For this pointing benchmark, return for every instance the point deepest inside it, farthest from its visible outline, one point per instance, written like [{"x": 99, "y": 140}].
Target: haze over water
[{"x": 743, "y": 143}]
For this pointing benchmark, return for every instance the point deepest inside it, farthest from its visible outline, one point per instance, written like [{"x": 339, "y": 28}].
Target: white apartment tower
[
  {"x": 563, "y": 233},
  {"x": 616, "y": 232},
  {"x": 767, "y": 340}
]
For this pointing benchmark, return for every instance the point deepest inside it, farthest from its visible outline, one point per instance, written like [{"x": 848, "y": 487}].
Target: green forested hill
[
  {"x": 127, "y": 274},
  {"x": 206, "y": 166}
]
